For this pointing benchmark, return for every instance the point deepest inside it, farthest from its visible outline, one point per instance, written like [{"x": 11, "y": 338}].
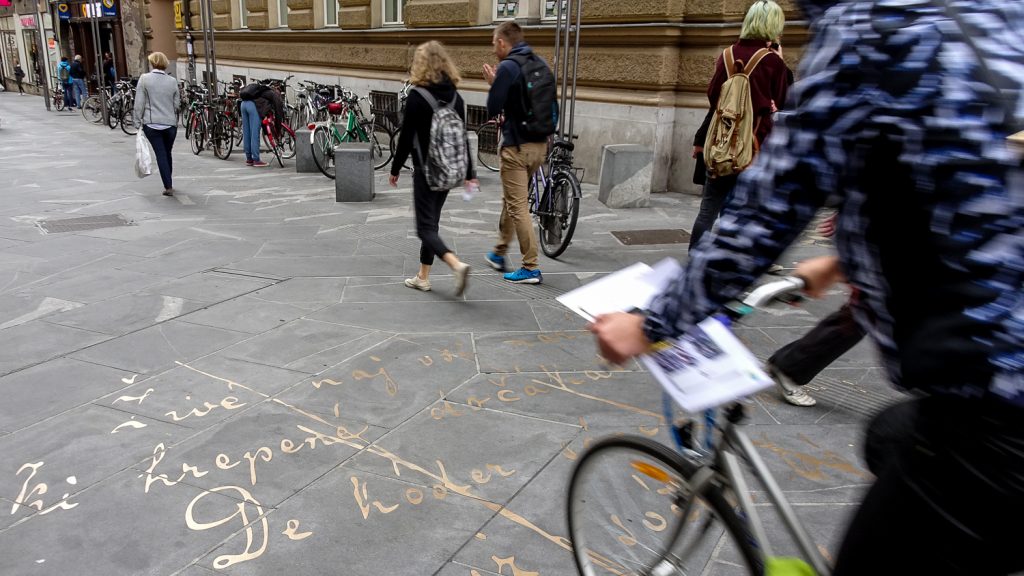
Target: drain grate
[
  {"x": 854, "y": 397},
  {"x": 84, "y": 223},
  {"x": 648, "y": 237}
]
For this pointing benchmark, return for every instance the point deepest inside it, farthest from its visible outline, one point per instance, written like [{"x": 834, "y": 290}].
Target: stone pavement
[{"x": 239, "y": 382}]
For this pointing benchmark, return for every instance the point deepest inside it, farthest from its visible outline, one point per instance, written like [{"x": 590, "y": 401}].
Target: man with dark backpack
[{"x": 523, "y": 88}]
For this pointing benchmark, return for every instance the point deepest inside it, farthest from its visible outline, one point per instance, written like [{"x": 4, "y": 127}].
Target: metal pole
[
  {"x": 558, "y": 43},
  {"x": 206, "y": 42},
  {"x": 94, "y": 7},
  {"x": 44, "y": 56},
  {"x": 212, "y": 52},
  {"x": 575, "y": 65},
  {"x": 565, "y": 75}
]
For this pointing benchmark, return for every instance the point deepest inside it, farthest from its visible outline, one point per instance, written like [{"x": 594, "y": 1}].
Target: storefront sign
[
  {"x": 109, "y": 9},
  {"x": 64, "y": 11},
  {"x": 28, "y": 21},
  {"x": 5, "y": 3}
]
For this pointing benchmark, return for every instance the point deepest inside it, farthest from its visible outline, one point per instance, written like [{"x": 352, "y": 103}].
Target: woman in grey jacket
[{"x": 156, "y": 108}]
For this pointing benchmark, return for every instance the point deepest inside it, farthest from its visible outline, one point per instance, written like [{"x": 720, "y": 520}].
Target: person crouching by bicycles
[
  {"x": 156, "y": 111},
  {"x": 430, "y": 104},
  {"x": 258, "y": 101}
]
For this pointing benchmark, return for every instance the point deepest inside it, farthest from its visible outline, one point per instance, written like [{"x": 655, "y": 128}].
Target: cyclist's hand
[
  {"x": 828, "y": 227},
  {"x": 489, "y": 73},
  {"x": 819, "y": 274},
  {"x": 620, "y": 336},
  {"x": 393, "y": 180}
]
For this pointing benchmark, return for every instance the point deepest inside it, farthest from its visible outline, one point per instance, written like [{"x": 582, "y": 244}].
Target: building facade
[{"x": 643, "y": 67}]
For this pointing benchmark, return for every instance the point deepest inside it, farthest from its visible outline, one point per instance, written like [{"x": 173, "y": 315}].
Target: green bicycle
[{"x": 325, "y": 136}]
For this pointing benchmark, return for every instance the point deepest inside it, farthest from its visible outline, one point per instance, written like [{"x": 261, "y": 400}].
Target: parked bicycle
[
  {"x": 488, "y": 143},
  {"x": 325, "y": 136},
  {"x": 57, "y": 94},
  {"x": 281, "y": 144},
  {"x": 638, "y": 507},
  {"x": 554, "y": 199}
]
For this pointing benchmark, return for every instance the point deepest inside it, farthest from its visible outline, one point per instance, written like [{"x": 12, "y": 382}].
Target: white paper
[
  {"x": 631, "y": 288},
  {"x": 705, "y": 368}
]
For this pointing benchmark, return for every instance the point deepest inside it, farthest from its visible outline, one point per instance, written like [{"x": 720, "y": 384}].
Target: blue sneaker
[
  {"x": 524, "y": 276},
  {"x": 496, "y": 262}
]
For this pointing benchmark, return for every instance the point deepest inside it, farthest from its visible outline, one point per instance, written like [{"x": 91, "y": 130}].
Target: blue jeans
[
  {"x": 69, "y": 95},
  {"x": 81, "y": 92},
  {"x": 162, "y": 141},
  {"x": 251, "y": 126}
]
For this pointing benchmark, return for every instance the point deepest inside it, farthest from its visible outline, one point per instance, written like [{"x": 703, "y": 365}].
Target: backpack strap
[
  {"x": 755, "y": 60},
  {"x": 730, "y": 62},
  {"x": 434, "y": 104}
]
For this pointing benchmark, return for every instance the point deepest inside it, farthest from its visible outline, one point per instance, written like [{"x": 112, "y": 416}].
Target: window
[
  {"x": 282, "y": 13},
  {"x": 331, "y": 12},
  {"x": 550, "y": 8},
  {"x": 506, "y": 9},
  {"x": 393, "y": 11},
  {"x": 243, "y": 15}
]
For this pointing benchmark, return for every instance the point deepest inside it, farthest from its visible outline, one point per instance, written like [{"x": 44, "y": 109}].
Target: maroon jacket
[{"x": 770, "y": 81}]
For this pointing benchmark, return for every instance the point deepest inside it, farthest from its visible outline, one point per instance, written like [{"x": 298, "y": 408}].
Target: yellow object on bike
[{"x": 781, "y": 566}]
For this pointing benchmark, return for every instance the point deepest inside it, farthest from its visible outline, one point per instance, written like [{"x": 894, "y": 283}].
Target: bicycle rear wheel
[
  {"x": 322, "y": 142},
  {"x": 488, "y": 150},
  {"x": 287, "y": 142},
  {"x": 92, "y": 109},
  {"x": 114, "y": 116},
  {"x": 381, "y": 148},
  {"x": 58, "y": 100},
  {"x": 556, "y": 220},
  {"x": 631, "y": 511},
  {"x": 198, "y": 139},
  {"x": 128, "y": 120},
  {"x": 223, "y": 141},
  {"x": 273, "y": 145}
]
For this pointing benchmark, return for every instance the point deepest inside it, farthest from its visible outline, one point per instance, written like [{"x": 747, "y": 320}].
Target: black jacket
[
  {"x": 417, "y": 120},
  {"x": 267, "y": 101},
  {"x": 77, "y": 70}
]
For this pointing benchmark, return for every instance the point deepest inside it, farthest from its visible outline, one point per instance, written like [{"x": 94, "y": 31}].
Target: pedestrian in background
[
  {"x": 156, "y": 109},
  {"x": 78, "y": 80},
  {"x": 434, "y": 78},
  {"x": 19, "y": 75},
  {"x": 64, "y": 76},
  {"x": 109, "y": 74},
  {"x": 258, "y": 102}
]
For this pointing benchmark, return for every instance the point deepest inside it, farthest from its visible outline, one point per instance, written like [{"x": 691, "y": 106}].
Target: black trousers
[
  {"x": 428, "y": 205},
  {"x": 713, "y": 198},
  {"x": 949, "y": 497},
  {"x": 162, "y": 141},
  {"x": 801, "y": 360}
]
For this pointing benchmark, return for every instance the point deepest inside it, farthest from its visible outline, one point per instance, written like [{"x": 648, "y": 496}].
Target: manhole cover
[
  {"x": 84, "y": 223},
  {"x": 645, "y": 237}
]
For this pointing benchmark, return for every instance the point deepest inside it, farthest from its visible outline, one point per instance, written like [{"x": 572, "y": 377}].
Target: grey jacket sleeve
[{"x": 141, "y": 96}]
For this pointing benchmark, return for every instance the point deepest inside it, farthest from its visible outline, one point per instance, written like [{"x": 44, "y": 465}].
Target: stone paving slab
[
  {"x": 246, "y": 314},
  {"x": 389, "y": 383},
  {"x": 537, "y": 352},
  {"x": 126, "y": 313},
  {"x": 47, "y": 389},
  {"x": 348, "y": 510},
  {"x": 156, "y": 348},
  {"x": 77, "y": 449},
  {"x": 121, "y": 529},
  {"x": 276, "y": 451},
  {"x": 210, "y": 286},
  {"x": 294, "y": 341},
  {"x": 443, "y": 315},
  {"x": 34, "y": 342}
]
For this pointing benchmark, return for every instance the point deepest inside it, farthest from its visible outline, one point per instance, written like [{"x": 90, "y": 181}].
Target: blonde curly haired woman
[{"x": 433, "y": 71}]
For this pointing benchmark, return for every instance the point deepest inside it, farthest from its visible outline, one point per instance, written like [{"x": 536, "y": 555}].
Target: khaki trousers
[{"x": 518, "y": 163}]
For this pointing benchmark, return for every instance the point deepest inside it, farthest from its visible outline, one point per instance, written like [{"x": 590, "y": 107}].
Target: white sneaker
[
  {"x": 791, "y": 391},
  {"x": 418, "y": 283},
  {"x": 461, "y": 273}
]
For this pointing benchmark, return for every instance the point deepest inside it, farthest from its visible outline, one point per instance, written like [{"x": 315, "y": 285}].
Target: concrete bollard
[
  {"x": 304, "y": 152},
  {"x": 353, "y": 167},
  {"x": 474, "y": 150},
  {"x": 625, "y": 180}
]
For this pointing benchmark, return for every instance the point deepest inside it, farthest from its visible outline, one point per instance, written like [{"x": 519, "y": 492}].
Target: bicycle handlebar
[{"x": 771, "y": 291}]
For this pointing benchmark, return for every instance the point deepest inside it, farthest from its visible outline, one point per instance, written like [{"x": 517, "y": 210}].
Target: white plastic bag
[{"x": 143, "y": 156}]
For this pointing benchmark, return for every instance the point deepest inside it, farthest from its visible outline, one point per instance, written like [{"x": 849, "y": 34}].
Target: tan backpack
[{"x": 731, "y": 145}]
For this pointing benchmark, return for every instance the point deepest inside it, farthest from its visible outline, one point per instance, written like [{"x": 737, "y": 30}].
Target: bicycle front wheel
[
  {"x": 287, "y": 142},
  {"x": 381, "y": 148},
  {"x": 488, "y": 146},
  {"x": 631, "y": 510},
  {"x": 114, "y": 116},
  {"x": 273, "y": 145},
  {"x": 198, "y": 139},
  {"x": 557, "y": 214},
  {"x": 58, "y": 101},
  {"x": 322, "y": 143},
  {"x": 222, "y": 139},
  {"x": 128, "y": 121},
  {"x": 92, "y": 109}
]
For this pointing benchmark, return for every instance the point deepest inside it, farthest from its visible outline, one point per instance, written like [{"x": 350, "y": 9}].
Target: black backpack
[{"x": 539, "y": 96}]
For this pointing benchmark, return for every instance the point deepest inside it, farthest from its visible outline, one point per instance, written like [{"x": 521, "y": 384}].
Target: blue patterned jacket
[{"x": 895, "y": 120}]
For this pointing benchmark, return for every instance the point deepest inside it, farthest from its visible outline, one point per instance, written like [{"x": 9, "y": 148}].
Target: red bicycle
[{"x": 282, "y": 145}]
